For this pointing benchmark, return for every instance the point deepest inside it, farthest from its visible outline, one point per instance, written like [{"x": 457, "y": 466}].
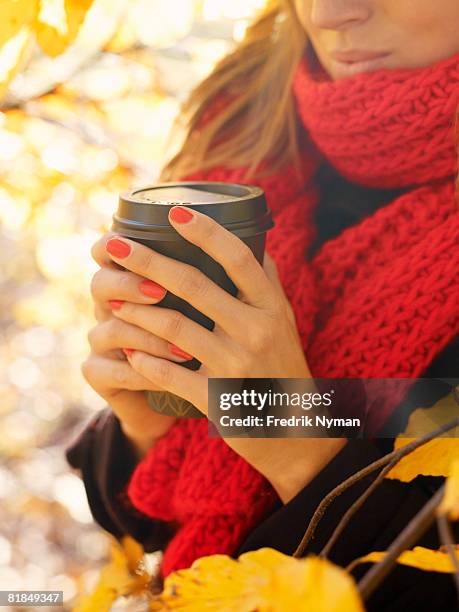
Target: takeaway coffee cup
[{"x": 142, "y": 216}]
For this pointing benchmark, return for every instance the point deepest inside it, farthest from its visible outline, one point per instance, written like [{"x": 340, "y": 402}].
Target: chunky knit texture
[{"x": 379, "y": 300}]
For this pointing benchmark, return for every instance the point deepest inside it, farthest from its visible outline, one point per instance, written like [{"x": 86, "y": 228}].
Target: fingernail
[
  {"x": 118, "y": 248},
  {"x": 180, "y": 215},
  {"x": 115, "y": 304},
  {"x": 152, "y": 289},
  {"x": 128, "y": 351},
  {"x": 175, "y": 350}
]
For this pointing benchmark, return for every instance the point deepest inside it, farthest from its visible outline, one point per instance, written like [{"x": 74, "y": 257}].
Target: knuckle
[
  {"x": 95, "y": 250},
  {"x": 241, "y": 366},
  {"x": 242, "y": 257},
  {"x": 98, "y": 252},
  {"x": 172, "y": 325},
  {"x": 120, "y": 376},
  {"x": 100, "y": 313},
  {"x": 192, "y": 283},
  {"x": 260, "y": 339},
  {"x": 95, "y": 285},
  {"x": 92, "y": 336},
  {"x": 145, "y": 260},
  {"x": 163, "y": 373},
  {"x": 113, "y": 331},
  {"x": 210, "y": 229},
  {"x": 151, "y": 343},
  {"x": 107, "y": 335},
  {"x": 124, "y": 285},
  {"x": 87, "y": 370}
]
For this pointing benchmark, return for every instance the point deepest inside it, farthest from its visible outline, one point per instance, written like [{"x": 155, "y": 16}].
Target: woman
[{"x": 343, "y": 113}]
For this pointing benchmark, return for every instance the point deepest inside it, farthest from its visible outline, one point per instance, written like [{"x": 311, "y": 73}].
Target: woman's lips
[{"x": 349, "y": 63}]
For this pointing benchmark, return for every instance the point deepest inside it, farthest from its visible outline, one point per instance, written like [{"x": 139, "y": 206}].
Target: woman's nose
[{"x": 339, "y": 14}]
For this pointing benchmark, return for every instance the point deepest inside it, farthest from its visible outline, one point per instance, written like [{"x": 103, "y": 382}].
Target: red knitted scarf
[{"x": 379, "y": 300}]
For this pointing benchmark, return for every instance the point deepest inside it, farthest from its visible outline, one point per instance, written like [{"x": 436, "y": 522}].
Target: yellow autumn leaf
[
  {"x": 310, "y": 584},
  {"x": 450, "y": 502},
  {"x": 424, "y": 420},
  {"x": 264, "y": 580},
  {"x": 15, "y": 15},
  {"x": 420, "y": 558},
  {"x": 435, "y": 457},
  {"x": 216, "y": 582},
  {"x": 122, "y": 576},
  {"x": 58, "y": 23}
]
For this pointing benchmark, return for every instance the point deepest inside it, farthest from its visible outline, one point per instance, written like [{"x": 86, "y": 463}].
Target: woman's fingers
[
  {"x": 100, "y": 255},
  {"x": 172, "y": 377},
  {"x": 105, "y": 375},
  {"x": 102, "y": 313},
  {"x": 124, "y": 389},
  {"x": 108, "y": 284},
  {"x": 228, "y": 250},
  {"x": 114, "y": 334},
  {"x": 183, "y": 280},
  {"x": 177, "y": 329}
]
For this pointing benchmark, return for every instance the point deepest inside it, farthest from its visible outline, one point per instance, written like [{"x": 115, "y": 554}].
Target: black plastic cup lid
[
  {"x": 181, "y": 194},
  {"x": 242, "y": 209}
]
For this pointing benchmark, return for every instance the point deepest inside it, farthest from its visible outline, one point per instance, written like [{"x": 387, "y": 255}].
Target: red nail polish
[
  {"x": 180, "y": 215},
  {"x": 118, "y": 248},
  {"x": 128, "y": 351},
  {"x": 152, "y": 289},
  {"x": 179, "y": 353},
  {"x": 115, "y": 304}
]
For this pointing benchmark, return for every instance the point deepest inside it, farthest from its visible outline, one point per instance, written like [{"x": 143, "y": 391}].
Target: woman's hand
[
  {"x": 106, "y": 368},
  {"x": 255, "y": 335}
]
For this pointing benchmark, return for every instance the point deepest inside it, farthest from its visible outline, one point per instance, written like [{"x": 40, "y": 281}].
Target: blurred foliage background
[{"x": 75, "y": 129}]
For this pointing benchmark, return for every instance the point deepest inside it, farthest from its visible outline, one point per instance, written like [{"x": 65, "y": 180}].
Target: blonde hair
[{"x": 259, "y": 122}]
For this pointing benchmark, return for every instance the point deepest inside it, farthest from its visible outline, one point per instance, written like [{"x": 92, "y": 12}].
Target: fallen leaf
[
  {"x": 420, "y": 558},
  {"x": 121, "y": 577},
  {"x": 424, "y": 420},
  {"x": 263, "y": 580},
  {"x": 434, "y": 458}
]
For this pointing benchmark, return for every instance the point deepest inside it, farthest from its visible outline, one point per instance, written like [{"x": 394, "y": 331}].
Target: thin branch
[
  {"x": 366, "y": 471},
  {"x": 447, "y": 538},
  {"x": 355, "y": 507},
  {"x": 406, "y": 539}
]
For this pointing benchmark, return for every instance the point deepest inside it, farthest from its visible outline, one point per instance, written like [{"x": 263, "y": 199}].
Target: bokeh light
[{"x": 75, "y": 130}]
